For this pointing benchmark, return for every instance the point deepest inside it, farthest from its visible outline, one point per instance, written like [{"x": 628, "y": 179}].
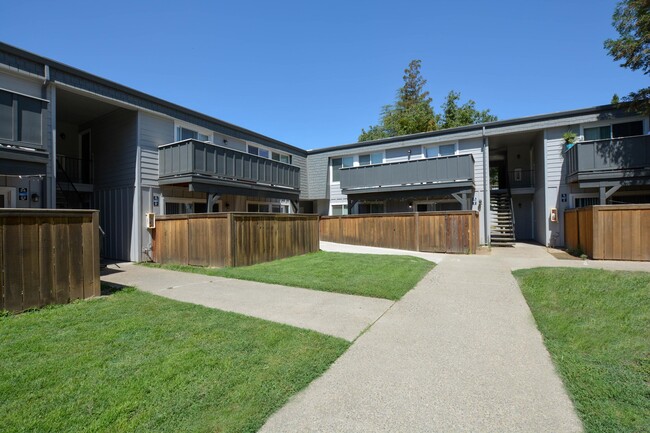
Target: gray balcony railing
[
  {"x": 521, "y": 179},
  {"x": 627, "y": 153},
  {"x": 76, "y": 170},
  {"x": 443, "y": 170},
  {"x": 197, "y": 158}
]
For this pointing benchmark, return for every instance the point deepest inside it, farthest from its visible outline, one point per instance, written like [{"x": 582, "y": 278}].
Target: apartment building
[{"x": 69, "y": 139}]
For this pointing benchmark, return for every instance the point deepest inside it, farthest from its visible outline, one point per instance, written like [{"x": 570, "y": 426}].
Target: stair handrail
[{"x": 74, "y": 188}]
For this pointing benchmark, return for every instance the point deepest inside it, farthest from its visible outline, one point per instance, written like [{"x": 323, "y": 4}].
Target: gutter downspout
[
  {"x": 486, "y": 186},
  {"x": 50, "y": 183}
]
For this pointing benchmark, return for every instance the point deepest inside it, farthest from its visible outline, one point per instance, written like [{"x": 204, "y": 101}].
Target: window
[
  {"x": 442, "y": 150},
  {"x": 371, "y": 208},
  {"x": 253, "y": 150},
  {"x": 627, "y": 129},
  {"x": 338, "y": 163},
  {"x": 339, "y": 209},
  {"x": 21, "y": 118},
  {"x": 598, "y": 133},
  {"x": 447, "y": 150},
  {"x": 586, "y": 201},
  {"x": 281, "y": 157},
  {"x": 267, "y": 207},
  {"x": 371, "y": 158},
  {"x": 263, "y": 153},
  {"x": 183, "y": 133},
  {"x": 176, "y": 206}
]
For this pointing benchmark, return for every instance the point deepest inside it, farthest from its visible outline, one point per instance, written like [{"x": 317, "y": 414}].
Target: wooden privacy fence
[
  {"x": 440, "y": 232},
  {"x": 613, "y": 232},
  {"x": 233, "y": 239},
  {"x": 47, "y": 257}
]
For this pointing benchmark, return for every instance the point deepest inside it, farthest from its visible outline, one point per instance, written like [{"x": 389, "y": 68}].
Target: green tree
[
  {"x": 454, "y": 115},
  {"x": 412, "y": 111},
  {"x": 632, "y": 21}
]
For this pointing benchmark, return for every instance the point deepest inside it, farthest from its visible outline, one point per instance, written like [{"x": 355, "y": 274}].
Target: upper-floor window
[
  {"x": 254, "y": 206},
  {"x": 626, "y": 129},
  {"x": 275, "y": 156},
  {"x": 440, "y": 150},
  {"x": 183, "y": 133},
  {"x": 337, "y": 164},
  {"x": 266, "y": 153},
  {"x": 371, "y": 158},
  {"x": 21, "y": 118}
]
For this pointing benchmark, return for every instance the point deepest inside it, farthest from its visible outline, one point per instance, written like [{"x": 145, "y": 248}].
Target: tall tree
[
  {"x": 632, "y": 21},
  {"x": 412, "y": 111},
  {"x": 454, "y": 115}
]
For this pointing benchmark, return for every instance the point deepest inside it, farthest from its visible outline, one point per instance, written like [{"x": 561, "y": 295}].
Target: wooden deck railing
[
  {"x": 442, "y": 232},
  {"x": 233, "y": 239},
  {"x": 613, "y": 232},
  {"x": 47, "y": 257}
]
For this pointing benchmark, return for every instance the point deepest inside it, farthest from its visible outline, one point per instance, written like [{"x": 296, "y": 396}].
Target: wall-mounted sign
[
  {"x": 563, "y": 198},
  {"x": 22, "y": 194},
  {"x": 156, "y": 200}
]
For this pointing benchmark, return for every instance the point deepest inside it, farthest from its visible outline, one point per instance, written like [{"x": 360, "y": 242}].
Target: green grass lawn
[
  {"x": 596, "y": 325},
  {"x": 140, "y": 363},
  {"x": 378, "y": 276}
]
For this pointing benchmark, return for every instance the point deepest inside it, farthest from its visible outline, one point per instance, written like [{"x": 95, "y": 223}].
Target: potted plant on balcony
[{"x": 569, "y": 139}]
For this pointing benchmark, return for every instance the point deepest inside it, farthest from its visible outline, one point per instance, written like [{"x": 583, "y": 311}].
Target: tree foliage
[
  {"x": 454, "y": 115},
  {"x": 412, "y": 111},
  {"x": 632, "y": 21}
]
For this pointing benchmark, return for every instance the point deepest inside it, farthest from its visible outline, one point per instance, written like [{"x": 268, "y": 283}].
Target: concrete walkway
[
  {"x": 343, "y": 316},
  {"x": 359, "y": 249},
  {"x": 459, "y": 353}
]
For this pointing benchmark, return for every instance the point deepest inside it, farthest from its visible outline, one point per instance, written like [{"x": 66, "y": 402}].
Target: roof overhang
[
  {"x": 18, "y": 162},
  {"x": 224, "y": 186}
]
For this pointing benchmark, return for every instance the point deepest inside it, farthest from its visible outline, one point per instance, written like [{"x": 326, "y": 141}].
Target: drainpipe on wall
[
  {"x": 486, "y": 186},
  {"x": 50, "y": 182}
]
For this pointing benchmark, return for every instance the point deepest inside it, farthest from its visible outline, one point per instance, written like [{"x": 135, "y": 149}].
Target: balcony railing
[
  {"x": 77, "y": 170},
  {"x": 521, "y": 179},
  {"x": 404, "y": 175},
  {"x": 602, "y": 158},
  {"x": 196, "y": 159}
]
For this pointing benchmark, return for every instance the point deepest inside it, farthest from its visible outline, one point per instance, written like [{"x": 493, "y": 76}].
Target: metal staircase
[{"x": 502, "y": 230}]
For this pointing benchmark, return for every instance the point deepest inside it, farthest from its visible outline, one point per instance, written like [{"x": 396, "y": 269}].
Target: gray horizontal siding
[{"x": 154, "y": 131}]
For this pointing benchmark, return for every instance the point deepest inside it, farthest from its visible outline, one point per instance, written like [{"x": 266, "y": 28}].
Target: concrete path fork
[
  {"x": 459, "y": 353},
  {"x": 343, "y": 316}
]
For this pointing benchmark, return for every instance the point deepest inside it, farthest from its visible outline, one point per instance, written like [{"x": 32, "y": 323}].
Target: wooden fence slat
[
  {"x": 46, "y": 262},
  {"x": 427, "y": 231},
  {"x": 3, "y": 267},
  {"x": 61, "y": 261},
  {"x": 75, "y": 271},
  {"x": 611, "y": 232},
  {"x": 13, "y": 255},
  {"x": 31, "y": 265},
  {"x": 42, "y": 256}
]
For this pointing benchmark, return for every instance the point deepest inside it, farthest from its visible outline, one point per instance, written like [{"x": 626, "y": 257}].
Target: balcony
[
  {"x": 624, "y": 160},
  {"x": 431, "y": 173},
  {"x": 207, "y": 167}
]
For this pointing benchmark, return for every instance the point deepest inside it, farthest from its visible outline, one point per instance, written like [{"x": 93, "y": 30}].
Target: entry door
[
  {"x": 6, "y": 199},
  {"x": 523, "y": 212}
]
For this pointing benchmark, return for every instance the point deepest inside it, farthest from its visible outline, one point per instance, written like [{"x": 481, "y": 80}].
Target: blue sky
[{"x": 313, "y": 74}]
